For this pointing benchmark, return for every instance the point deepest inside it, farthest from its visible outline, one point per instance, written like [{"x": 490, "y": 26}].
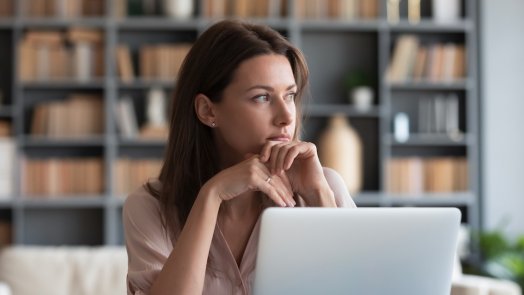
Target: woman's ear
[{"x": 205, "y": 110}]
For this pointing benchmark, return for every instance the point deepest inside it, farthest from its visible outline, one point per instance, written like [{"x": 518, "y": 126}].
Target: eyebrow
[{"x": 269, "y": 88}]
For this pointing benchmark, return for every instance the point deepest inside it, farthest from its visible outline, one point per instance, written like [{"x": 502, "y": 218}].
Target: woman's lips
[{"x": 279, "y": 138}]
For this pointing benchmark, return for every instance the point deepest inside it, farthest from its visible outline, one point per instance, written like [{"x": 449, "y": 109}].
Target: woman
[{"x": 232, "y": 151}]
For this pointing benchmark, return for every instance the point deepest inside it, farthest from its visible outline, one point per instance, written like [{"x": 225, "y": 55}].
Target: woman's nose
[{"x": 284, "y": 112}]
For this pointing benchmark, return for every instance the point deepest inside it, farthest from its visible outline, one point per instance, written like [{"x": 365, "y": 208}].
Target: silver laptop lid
[{"x": 363, "y": 251}]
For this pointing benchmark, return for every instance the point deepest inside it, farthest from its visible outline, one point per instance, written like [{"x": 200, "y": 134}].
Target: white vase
[
  {"x": 362, "y": 98},
  {"x": 340, "y": 148},
  {"x": 446, "y": 11},
  {"x": 401, "y": 127},
  {"x": 180, "y": 9}
]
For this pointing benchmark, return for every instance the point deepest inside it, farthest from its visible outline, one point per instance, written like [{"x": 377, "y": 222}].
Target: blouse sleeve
[
  {"x": 338, "y": 186},
  {"x": 147, "y": 243}
]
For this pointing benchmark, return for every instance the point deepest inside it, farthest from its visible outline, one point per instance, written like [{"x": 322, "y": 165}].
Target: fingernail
[{"x": 283, "y": 204}]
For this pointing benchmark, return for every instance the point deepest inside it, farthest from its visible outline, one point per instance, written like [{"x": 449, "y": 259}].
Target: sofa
[
  {"x": 27, "y": 270},
  {"x": 102, "y": 270}
]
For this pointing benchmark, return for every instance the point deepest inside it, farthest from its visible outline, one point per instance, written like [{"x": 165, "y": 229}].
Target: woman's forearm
[
  {"x": 322, "y": 196},
  {"x": 184, "y": 270}
]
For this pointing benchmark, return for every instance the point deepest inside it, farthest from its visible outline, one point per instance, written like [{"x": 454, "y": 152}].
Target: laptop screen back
[{"x": 356, "y": 251}]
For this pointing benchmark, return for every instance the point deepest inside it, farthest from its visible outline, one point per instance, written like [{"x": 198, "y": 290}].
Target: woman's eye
[
  {"x": 261, "y": 98},
  {"x": 291, "y": 96}
]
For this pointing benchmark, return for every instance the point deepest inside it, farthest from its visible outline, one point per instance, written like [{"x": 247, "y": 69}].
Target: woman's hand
[
  {"x": 252, "y": 175},
  {"x": 298, "y": 164}
]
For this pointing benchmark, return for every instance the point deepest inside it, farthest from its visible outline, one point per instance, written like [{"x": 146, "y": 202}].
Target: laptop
[{"x": 365, "y": 251}]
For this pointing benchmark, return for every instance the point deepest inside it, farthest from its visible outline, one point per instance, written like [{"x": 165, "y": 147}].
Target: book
[
  {"x": 124, "y": 63},
  {"x": 420, "y": 64},
  {"x": 369, "y": 9},
  {"x": 5, "y": 129},
  {"x": 131, "y": 173},
  {"x": 83, "y": 61},
  {"x": 6, "y": 8},
  {"x": 6, "y": 233},
  {"x": 7, "y": 156},
  {"x": 126, "y": 118},
  {"x": 77, "y": 34},
  {"x": 402, "y": 64}
]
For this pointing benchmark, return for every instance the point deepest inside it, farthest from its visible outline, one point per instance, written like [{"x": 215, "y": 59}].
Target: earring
[{"x": 213, "y": 124}]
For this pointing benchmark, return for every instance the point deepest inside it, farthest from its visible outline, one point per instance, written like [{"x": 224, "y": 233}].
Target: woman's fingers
[
  {"x": 274, "y": 187},
  {"x": 283, "y": 155},
  {"x": 277, "y": 151},
  {"x": 282, "y": 189},
  {"x": 266, "y": 151}
]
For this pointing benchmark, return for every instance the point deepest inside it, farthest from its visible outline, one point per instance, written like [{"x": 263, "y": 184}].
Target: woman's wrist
[
  {"x": 210, "y": 195},
  {"x": 320, "y": 196}
]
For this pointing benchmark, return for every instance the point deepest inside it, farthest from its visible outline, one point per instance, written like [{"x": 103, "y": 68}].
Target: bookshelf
[{"x": 359, "y": 43}]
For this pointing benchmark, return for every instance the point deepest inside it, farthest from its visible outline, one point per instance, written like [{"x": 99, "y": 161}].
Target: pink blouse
[{"x": 149, "y": 245}]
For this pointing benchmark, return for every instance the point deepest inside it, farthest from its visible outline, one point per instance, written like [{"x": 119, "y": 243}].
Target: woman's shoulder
[
  {"x": 141, "y": 201},
  {"x": 339, "y": 188}
]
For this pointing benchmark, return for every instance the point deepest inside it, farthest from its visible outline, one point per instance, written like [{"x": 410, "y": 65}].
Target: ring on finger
[{"x": 268, "y": 180}]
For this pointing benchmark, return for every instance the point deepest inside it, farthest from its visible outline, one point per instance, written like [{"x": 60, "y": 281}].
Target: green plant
[
  {"x": 356, "y": 78},
  {"x": 502, "y": 257}
]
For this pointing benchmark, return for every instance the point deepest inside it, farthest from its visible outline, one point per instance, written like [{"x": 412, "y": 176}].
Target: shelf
[
  {"x": 62, "y": 23},
  {"x": 6, "y": 202},
  {"x": 368, "y": 198},
  {"x": 145, "y": 84},
  {"x": 118, "y": 201},
  {"x": 32, "y": 141},
  {"x": 453, "y": 85},
  {"x": 157, "y": 23},
  {"x": 340, "y": 25},
  {"x": 430, "y": 26},
  {"x": 430, "y": 140},
  {"x": 75, "y": 201},
  {"x": 432, "y": 199},
  {"x": 333, "y": 47},
  {"x": 328, "y": 110},
  {"x": 53, "y": 85},
  {"x": 6, "y": 111},
  {"x": 142, "y": 142},
  {"x": 277, "y": 23},
  {"x": 6, "y": 23},
  {"x": 424, "y": 199}
]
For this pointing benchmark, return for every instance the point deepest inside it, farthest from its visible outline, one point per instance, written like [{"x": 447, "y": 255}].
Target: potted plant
[
  {"x": 358, "y": 87},
  {"x": 502, "y": 257}
]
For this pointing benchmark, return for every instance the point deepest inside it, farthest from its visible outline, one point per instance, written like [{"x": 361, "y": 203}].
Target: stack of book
[
  {"x": 244, "y": 8},
  {"x": 131, "y": 173},
  {"x": 53, "y": 177},
  {"x": 439, "y": 115},
  {"x": 415, "y": 175},
  {"x": 337, "y": 9},
  {"x": 80, "y": 115},
  {"x": 156, "y": 62},
  {"x": 53, "y": 55},
  {"x": 6, "y": 8},
  {"x": 62, "y": 8},
  {"x": 438, "y": 62}
]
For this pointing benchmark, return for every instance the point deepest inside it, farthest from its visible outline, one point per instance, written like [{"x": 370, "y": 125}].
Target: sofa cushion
[{"x": 64, "y": 270}]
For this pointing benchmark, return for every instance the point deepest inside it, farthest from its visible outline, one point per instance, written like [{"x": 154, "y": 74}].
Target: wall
[{"x": 502, "y": 87}]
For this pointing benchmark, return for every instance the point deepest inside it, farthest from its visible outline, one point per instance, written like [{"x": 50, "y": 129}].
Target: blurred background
[{"x": 415, "y": 102}]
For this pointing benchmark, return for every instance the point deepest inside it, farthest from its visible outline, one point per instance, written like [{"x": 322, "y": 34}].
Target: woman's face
[{"x": 256, "y": 107}]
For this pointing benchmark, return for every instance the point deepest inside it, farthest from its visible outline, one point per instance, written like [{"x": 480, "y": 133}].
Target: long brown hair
[{"x": 191, "y": 158}]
